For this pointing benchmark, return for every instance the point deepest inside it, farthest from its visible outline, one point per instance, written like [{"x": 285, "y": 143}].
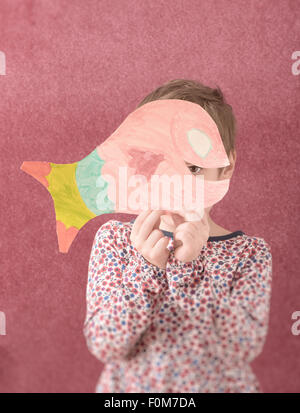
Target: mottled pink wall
[{"x": 74, "y": 71}]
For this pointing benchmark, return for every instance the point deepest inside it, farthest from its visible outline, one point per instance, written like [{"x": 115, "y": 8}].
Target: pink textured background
[{"x": 75, "y": 70}]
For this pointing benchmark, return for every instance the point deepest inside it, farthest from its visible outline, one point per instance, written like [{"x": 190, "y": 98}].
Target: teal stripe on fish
[{"x": 92, "y": 187}]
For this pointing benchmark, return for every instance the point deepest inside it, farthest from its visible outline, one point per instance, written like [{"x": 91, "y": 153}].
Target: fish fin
[
  {"x": 38, "y": 170},
  {"x": 71, "y": 211},
  {"x": 65, "y": 236}
]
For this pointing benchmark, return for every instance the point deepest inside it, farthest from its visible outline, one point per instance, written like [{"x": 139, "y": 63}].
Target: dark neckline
[{"x": 215, "y": 238}]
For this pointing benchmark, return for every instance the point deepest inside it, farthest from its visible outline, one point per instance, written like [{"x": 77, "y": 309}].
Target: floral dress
[{"x": 190, "y": 328}]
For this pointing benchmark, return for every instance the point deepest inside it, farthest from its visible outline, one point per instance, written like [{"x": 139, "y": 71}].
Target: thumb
[{"x": 178, "y": 219}]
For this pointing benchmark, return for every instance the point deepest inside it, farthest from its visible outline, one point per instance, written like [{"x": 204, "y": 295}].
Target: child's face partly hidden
[{"x": 210, "y": 174}]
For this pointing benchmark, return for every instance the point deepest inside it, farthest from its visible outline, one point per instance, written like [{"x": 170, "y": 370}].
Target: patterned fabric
[{"x": 191, "y": 328}]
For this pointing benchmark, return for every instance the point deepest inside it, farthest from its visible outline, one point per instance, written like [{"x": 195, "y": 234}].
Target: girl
[{"x": 176, "y": 306}]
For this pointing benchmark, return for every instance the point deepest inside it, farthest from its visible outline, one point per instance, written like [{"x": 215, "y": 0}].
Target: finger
[
  {"x": 193, "y": 227},
  {"x": 177, "y": 243},
  {"x": 184, "y": 236},
  {"x": 157, "y": 222},
  {"x": 155, "y": 236},
  {"x": 177, "y": 219},
  {"x": 161, "y": 246},
  {"x": 192, "y": 216},
  {"x": 139, "y": 222},
  {"x": 148, "y": 224},
  {"x": 184, "y": 249}
]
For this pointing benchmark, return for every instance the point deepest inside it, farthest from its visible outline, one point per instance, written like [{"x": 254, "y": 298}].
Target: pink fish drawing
[{"x": 124, "y": 174}]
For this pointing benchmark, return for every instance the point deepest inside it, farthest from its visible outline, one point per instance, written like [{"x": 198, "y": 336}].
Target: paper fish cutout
[{"x": 154, "y": 140}]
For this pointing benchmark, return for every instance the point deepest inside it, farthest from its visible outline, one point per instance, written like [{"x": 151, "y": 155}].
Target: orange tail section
[{"x": 39, "y": 171}]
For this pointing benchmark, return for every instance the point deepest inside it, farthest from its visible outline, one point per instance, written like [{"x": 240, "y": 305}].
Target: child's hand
[
  {"x": 189, "y": 237},
  {"x": 148, "y": 239}
]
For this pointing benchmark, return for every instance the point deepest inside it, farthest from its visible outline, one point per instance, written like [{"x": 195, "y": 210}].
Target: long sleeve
[
  {"x": 123, "y": 294},
  {"x": 241, "y": 315},
  {"x": 238, "y": 310},
  {"x": 186, "y": 283}
]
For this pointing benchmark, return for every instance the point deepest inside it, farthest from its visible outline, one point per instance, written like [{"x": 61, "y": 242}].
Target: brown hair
[{"x": 212, "y": 100}]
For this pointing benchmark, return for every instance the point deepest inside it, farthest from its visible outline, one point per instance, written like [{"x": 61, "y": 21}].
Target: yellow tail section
[{"x": 70, "y": 210}]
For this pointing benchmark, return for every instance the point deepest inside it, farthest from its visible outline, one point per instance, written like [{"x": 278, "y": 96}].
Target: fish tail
[{"x": 78, "y": 193}]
